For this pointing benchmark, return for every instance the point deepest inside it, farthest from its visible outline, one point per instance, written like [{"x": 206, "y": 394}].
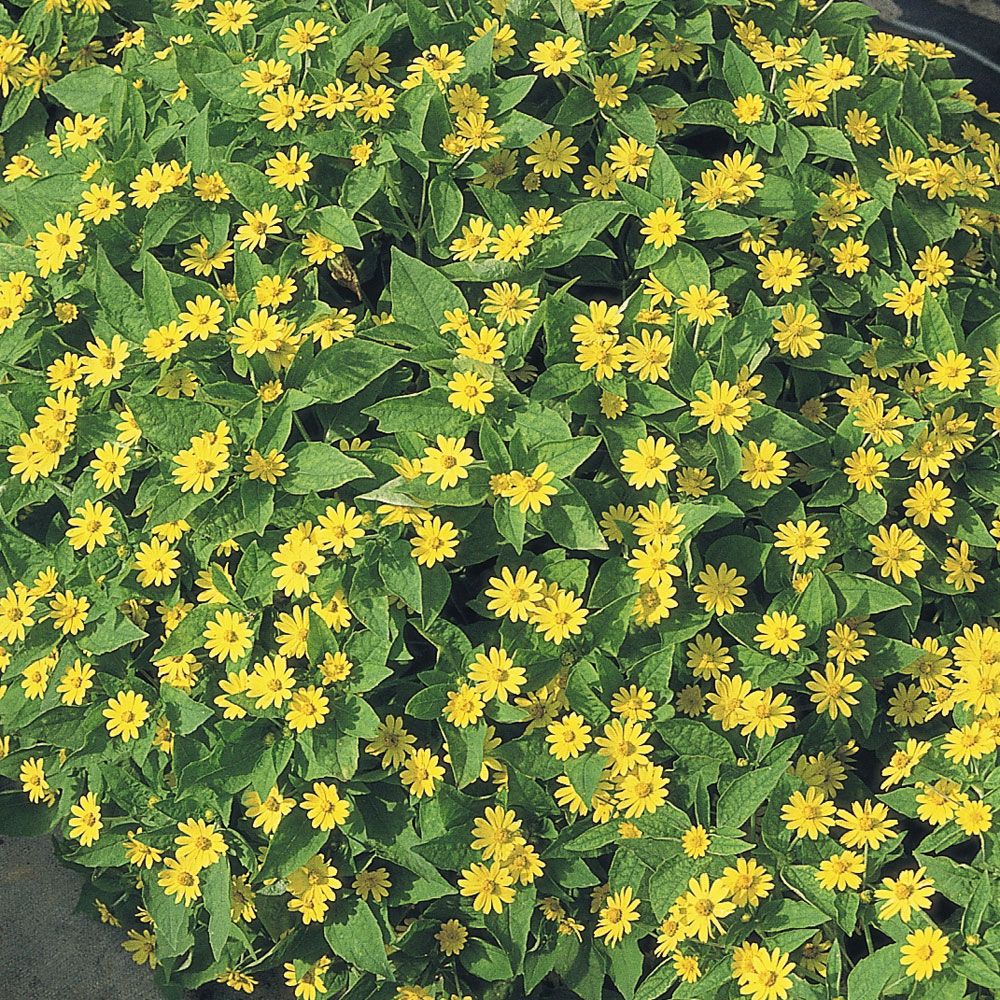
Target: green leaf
[
  {"x": 936, "y": 332},
  {"x": 862, "y": 596},
  {"x": 585, "y": 774},
  {"x": 727, "y": 457},
  {"x": 510, "y": 927},
  {"x": 486, "y": 961},
  {"x": 157, "y": 292},
  {"x": 19, "y": 818},
  {"x": 740, "y": 72},
  {"x": 354, "y": 935},
  {"x": 317, "y": 467},
  {"x": 184, "y": 713},
  {"x": 826, "y": 141},
  {"x": 118, "y": 300},
  {"x": 169, "y": 424},
  {"x": 571, "y": 523},
  {"x": 510, "y": 522},
  {"x": 741, "y": 799},
  {"x": 84, "y": 91},
  {"x": 793, "y": 145},
  {"x": 335, "y": 224},
  {"x": 342, "y": 370},
  {"x": 420, "y": 293},
  {"x": 401, "y": 574},
  {"x": 713, "y": 223},
  {"x": 293, "y": 844},
  {"x": 465, "y": 747},
  {"x": 869, "y": 978},
  {"x": 171, "y": 920},
  {"x": 785, "y": 430},
  {"x": 215, "y": 895},
  {"x": 684, "y": 267},
  {"x": 658, "y": 982},
  {"x": 189, "y": 633},
  {"x": 252, "y": 189},
  {"x": 446, "y": 203},
  {"x": 580, "y": 224}
]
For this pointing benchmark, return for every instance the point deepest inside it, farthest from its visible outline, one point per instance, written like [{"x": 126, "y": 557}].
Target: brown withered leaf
[{"x": 342, "y": 271}]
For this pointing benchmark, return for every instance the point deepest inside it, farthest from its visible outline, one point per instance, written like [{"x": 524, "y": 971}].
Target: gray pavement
[{"x": 49, "y": 952}]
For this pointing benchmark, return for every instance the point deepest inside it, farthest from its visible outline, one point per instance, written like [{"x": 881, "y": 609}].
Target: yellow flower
[
  {"x": 801, "y": 541},
  {"x": 464, "y": 707},
  {"x": 470, "y": 392},
  {"x": 289, "y": 170},
  {"x": 557, "y": 618},
  {"x": 58, "y": 242},
  {"x": 630, "y": 159},
  {"x": 421, "y": 772},
  {"x": 720, "y": 589},
  {"x": 779, "y": 633},
  {"x": 865, "y": 825},
  {"x": 180, "y": 881},
  {"x": 865, "y": 468},
  {"x": 764, "y": 713},
  {"x": 619, "y": 913},
  {"x": 748, "y": 109},
  {"x": 257, "y": 226},
  {"x": 806, "y": 97},
  {"x": 491, "y": 887},
  {"x": 950, "y": 371},
  {"x": 797, "y": 331},
  {"x": 833, "y": 691},
  {"x": 910, "y": 892},
  {"x": 448, "y": 462},
  {"x": 534, "y": 491},
  {"x": 552, "y": 155},
  {"x": 557, "y": 56},
  {"x": 841, "y": 872},
  {"x": 434, "y": 541},
  {"x": 126, "y": 713},
  {"x": 568, "y": 737},
  {"x": 663, "y": 226},
  {"x": 495, "y": 675},
  {"x": 695, "y": 841},
  {"x": 608, "y": 92},
  {"x": 906, "y": 299},
  {"x": 704, "y": 906},
  {"x": 157, "y": 563},
  {"x": 227, "y": 636},
  {"x": 722, "y": 408},
  {"x": 267, "y": 813},
  {"x": 85, "y": 820},
  {"x": 648, "y": 464},
  {"x": 305, "y": 36},
  {"x": 269, "y": 468},
  {"x": 782, "y": 270},
  {"x": 324, "y": 806},
  {"x": 896, "y": 552},
  {"x": 924, "y": 953},
  {"x": 100, "y": 202},
  {"x": 451, "y": 937}
]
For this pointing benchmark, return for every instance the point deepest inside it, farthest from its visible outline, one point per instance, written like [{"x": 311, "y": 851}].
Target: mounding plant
[{"x": 501, "y": 500}]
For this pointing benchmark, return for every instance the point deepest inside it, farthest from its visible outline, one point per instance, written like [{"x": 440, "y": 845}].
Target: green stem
[
  {"x": 297, "y": 420},
  {"x": 868, "y": 938}
]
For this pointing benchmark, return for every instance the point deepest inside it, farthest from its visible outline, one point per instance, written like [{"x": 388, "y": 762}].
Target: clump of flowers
[{"x": 501, "y": 500}]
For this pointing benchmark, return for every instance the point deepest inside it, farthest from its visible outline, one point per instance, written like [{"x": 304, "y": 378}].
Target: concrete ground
[
  {"x": 48, "y": 952},
  {"x": 967, "y": 27}
]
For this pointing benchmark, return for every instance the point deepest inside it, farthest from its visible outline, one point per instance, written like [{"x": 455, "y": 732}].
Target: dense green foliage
[{"x": 502, "y": 500}]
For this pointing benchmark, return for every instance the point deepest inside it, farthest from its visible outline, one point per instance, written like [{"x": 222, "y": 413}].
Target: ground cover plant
[{"x": 501, "y": 500}]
